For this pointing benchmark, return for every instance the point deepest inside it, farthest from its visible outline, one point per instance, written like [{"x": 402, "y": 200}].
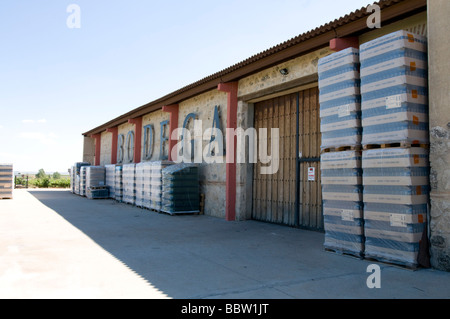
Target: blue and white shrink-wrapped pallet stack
[
  {"x": 110, "y": 174},
  {"x": 341, "y": 174},
  {"x": 394, "y": 89},
  {"x": 395, "y": 159},
  {"x": 339, "y": 98}
]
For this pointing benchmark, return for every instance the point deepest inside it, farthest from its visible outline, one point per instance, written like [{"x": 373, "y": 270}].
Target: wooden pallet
[
  {"x": 344, "y": 252},
  {"x": 395, "y": 145},
  {"x": 389, "y": 262},
  {"x": 341, "y": 149}
]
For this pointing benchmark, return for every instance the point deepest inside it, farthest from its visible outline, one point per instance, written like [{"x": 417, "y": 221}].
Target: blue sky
[{"x": 57, "y": 82}]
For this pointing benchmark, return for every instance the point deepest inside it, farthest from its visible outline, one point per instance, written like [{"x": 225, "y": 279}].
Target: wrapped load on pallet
[
  {"x": 139, "y": 184},
  {"x": 339, "y": 98},
  {"x": 180, "y": 189},
  {"x": 110, "y": 173},
  {"x": 6, "y": 181},
  {"x": 118, "y": 183},
  {"x": 129, "y": 183},
  {"x": 394, "y": 89},
  {"x": 83, "y": 180},
  {"x": 396, "y": 189},
  {"x": 95, "y": 182},
  {"x": 341, "y": 178},
  {"x": 153, "y": 184},
  {"x": 77, "y": 180}
]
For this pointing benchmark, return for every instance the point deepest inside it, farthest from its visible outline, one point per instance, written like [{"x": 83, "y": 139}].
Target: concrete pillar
[
  {"x": 114, "y": 131},
  {"x": 439, "y": 99},
  {"x": 231, "y": 89},
  {"x": 98, "y": 145}
]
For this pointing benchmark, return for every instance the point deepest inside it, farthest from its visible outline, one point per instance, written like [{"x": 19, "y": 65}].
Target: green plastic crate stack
[
  {"x": 6, "y": 181},
  {"x": 180, "y": 189}
]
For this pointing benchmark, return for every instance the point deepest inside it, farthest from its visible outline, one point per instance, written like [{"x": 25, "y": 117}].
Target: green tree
[
  {"x": 41, "y": 174},
  {"x": 56, "y": 175}
]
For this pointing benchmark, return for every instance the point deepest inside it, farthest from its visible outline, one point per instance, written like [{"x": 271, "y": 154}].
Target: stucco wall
[
  {"x": 155, "y": 119},
  {"x": 212, "y": 175},
  {"x": 105, "y": 149}
]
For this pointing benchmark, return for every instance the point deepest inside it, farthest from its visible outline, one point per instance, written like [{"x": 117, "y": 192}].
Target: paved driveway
[{"x": 54, "y": 244}]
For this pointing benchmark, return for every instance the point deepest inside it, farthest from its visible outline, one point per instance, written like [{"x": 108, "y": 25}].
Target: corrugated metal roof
[{"x": 277, "y": 54}]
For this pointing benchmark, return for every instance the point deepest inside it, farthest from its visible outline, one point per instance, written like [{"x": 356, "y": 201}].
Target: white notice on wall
[{"x": 311, "y": 174}]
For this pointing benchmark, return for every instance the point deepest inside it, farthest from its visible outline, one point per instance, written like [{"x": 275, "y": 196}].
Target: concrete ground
[{"x": 54, "y": 244}]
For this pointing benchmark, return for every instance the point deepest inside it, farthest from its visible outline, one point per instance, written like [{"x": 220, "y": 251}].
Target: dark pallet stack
[{"x": 180, "y": 189}]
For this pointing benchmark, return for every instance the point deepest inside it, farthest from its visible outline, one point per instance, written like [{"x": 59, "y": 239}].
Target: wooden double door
[{"x": 293, "y": 195}]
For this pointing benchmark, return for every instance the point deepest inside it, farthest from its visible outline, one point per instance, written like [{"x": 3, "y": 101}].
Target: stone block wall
[{"x": 439, "y": 95}]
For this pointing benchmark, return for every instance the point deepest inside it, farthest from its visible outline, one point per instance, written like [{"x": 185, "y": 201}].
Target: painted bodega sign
[{"x": 242, "y": 146}]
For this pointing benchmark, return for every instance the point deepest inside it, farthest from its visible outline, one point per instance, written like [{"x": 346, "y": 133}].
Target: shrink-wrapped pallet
[
  {"x": 396, "y": 195},
  {"x": 180, "y": 189},
  {"x": 6, "y": 181},
  {"x": 139, "y": 182},
  {"x": 110, "y": 173},
  {"x": 339, "y": 98},
  {"x": 129, "y": 183},
  {"x": 152, "y": 186},
  {"x": 118, "y": 183},
  {"x": 95, "y": 182},
  {"x": 83, "y": 180},
  {"x": 341, "y": 178},
  {"x": 394, "y": 89}
]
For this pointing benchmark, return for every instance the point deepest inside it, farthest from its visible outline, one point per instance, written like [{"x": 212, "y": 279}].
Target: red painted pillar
[
  {"x": 231, "y": 89},
  {"x": 173, "y": 124},
  {"x": 115, "y": 132},
  {"x": 339, "y": 44},
  {"x": 137, "y": 138},
  {"x": 98, "y": 145}
]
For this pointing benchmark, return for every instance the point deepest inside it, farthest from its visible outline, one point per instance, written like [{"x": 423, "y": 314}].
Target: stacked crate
[
  {"x": 395, "y": 137},
  {"x": 339, "y": 99},
  {"x": 395, "y": 203},
  {"x": 95, "y": 182},
  {"x": 180, "y": 189},
  {"x": 394, "y": 90},
  {"x": 76, "y": 177},
  {"x": 6, "y": 181},
  {"x": 129, "y": 183},
  {"x": 83, "y": 180},
  {"x": 341, "y": 173},
  {"x": 72, "y": 171},
  {"x": 110, "y": 173},
  {"x": 140, "y": 179},
  {"x": 118, "y": 183},
  {"x": 153, "y": 184}
]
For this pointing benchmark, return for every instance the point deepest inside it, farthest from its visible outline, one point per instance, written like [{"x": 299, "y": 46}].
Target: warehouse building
[{"x": 279, "y": 88}]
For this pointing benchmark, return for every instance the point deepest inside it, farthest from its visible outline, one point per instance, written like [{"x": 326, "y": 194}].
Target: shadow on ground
[{"x": 197, "y": 256}]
